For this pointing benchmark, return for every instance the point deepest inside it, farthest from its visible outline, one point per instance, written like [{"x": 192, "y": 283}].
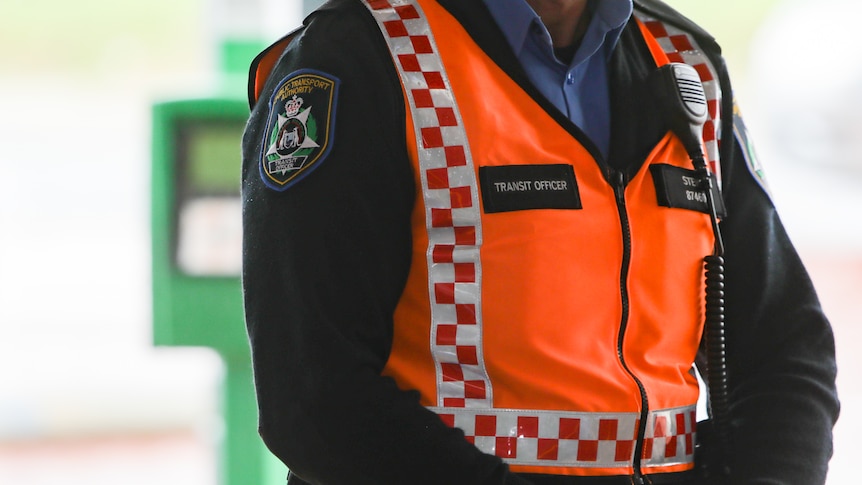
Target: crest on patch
[
  {"x": 747, "y": 147},
  {"x": 299, "y": 132}
]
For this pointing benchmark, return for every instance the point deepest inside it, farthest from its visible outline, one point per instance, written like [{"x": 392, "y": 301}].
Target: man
[{"x": 479, "y": 259}]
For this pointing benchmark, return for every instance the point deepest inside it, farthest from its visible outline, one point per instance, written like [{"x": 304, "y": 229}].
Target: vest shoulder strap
[
  {"x": 680, "y": 40},
  {"x": 665, "y": 13}
]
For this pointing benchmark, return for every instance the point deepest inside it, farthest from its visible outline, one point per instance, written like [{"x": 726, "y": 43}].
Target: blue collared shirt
[{"x": 579, "y": 90}]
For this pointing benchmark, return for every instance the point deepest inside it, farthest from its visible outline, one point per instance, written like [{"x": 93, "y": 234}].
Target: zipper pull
[{"x": 618, "y": 179}]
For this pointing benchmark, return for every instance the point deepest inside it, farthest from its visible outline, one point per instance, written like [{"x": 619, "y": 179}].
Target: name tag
[
  {"x": 680, "y": 188},
  {"x": 523, "y": 187}
]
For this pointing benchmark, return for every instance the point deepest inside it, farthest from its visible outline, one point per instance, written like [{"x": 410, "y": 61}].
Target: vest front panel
[{"x": 559, "y": 339}]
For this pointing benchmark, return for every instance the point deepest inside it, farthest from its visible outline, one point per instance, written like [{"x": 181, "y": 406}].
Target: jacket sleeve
[
  {"x": 325, "y": 262},
  {"x": 783, "y": 400}
]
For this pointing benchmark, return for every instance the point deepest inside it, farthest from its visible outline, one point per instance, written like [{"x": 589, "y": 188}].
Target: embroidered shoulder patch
[
  {"x": 747, "y": 147},
  {"x": 299, "y": 132}
]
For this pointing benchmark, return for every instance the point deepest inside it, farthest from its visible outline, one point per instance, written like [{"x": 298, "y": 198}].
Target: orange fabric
[
  {"x": 263, "y": 65},
  {"x": 551, "y": 285},
  {"x": 654, "y": 47}
]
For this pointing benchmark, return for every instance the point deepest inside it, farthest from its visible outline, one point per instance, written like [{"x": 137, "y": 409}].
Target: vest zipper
[{"x": 618, "y": 180}]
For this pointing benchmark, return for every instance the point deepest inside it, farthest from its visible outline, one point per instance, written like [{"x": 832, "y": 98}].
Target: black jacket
[{"x": 326, "y": 260}]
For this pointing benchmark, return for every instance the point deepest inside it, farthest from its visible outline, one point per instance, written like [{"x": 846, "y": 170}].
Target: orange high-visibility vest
[
  {"x": 559, "y": 339},
  {"x": 560, "y": 336}
]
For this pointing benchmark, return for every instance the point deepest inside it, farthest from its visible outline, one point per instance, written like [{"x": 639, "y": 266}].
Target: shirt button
[{"x": 570, "y": 78}]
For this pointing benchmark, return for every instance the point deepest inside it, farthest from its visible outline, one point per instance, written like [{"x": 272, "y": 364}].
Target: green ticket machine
[
  {"x": 197, "y": 236},
  {"x": 196, "y": 249},
  {"x": 196, "y": 231}
]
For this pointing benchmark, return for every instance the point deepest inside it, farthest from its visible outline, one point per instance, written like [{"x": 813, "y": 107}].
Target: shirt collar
[{"x": 516, "y": 19}]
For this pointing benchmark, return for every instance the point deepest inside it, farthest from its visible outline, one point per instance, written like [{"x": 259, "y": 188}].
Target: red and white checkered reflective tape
[
  {"x": 451, "y": 204},
  {"x": 584, "y": 440},
  {"x": 682, "y": 47}
]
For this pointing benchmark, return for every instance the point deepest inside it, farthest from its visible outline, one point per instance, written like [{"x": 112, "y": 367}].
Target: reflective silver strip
[
  {"x": 679, "y": 46},
  {"x": 582, "y": 440},
  {"x": 452, "y": 215}
]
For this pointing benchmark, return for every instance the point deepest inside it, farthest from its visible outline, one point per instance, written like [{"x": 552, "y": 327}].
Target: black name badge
[
  {"x": 680, "y": 188},
  {"x": 523, "y": 187}
]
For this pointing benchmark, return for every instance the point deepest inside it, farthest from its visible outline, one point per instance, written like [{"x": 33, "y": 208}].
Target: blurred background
[{"x": 85, "y": 396}]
